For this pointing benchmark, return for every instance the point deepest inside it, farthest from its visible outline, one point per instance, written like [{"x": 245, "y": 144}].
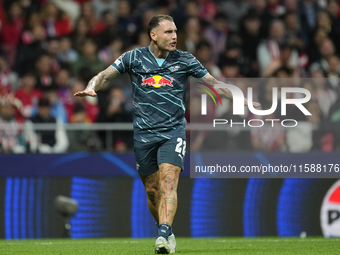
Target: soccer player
[{"x": 159, "y": 75}]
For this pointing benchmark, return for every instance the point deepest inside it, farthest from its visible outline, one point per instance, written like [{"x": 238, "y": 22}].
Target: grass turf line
[{"x": 206, "y": 246}]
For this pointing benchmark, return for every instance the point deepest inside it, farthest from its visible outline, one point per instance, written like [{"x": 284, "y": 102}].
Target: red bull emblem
[{"x": 157, "y": 81}]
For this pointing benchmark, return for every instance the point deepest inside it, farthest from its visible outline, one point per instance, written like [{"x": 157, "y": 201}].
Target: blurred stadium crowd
[{"x": 50, "y": 49}]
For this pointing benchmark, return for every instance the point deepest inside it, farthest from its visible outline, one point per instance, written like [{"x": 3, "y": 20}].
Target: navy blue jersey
[{"x": 158, "y": 91}]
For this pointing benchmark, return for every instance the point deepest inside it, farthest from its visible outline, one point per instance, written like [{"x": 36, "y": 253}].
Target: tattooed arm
[
  {"x": 210, "y": 80},
  {"x": 98, "y": 81}
]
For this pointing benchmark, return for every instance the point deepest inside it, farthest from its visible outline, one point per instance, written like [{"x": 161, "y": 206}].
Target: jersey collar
[{"x": 155, "y": 57}]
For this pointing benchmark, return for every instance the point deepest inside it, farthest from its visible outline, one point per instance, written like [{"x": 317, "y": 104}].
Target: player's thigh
[
  {"x": 146, "y": 158},
  {"x": 172, "y": 152}
]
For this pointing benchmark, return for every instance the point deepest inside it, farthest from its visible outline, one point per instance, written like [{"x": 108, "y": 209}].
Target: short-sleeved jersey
[{"x": 158, "y": 91}]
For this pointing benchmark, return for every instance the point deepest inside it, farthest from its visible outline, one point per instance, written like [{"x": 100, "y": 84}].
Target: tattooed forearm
[
  {"x": 103, "y": 77},
  {"x": 210, "y": 80}
]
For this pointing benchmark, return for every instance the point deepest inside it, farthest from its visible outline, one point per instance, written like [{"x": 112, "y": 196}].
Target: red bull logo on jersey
[
  {"x": 157, "y": 81},
  {"x": 330, "y": 212}
]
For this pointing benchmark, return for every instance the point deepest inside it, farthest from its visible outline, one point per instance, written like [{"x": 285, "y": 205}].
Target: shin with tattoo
[{"x": 167, "y": 195}]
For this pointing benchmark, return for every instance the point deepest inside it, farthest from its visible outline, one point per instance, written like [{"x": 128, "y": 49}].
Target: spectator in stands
[
  {"x": 88, "y": 59},
  {"x": 96, "y": 25},
  {"x": 294, "y": 33},
  {"x": 66, "y": 54},
  {"x": 333, "y": 67},
  {"x": 8, "y": 78},
  {"x": 10, "y": 30},
  {"x": 283, "y": 63},
  {"x": 116, "y": 112},
  {"x": 11, "y": 136},
  {"x": 216, "y": 35},
  {"x": 28, "y": 53},
  {"x": 111, "y": 31},
  {"x": 322, "y": 94},
  {"x": 113, "y": 51},
  {"x": 203, "y": 53},
  {"x": 235, "y": 10},
  {"x": 177, "y": 11},
  {"x": 313, "y": 49},
  {"x": 324, "y": 22},
  {"x": 162, "y": 7},
  {"x": 53, "y": 47},
  {"x": 101, "y": 6},
  {"x": 275, "y": 7},
  {"x": 207, "y": 10},
  {"x": 246, "y": 67},
  {"x": 333, "y": 73},
  {"x": 57, "y": 23},
  {"x": 127, "y": 24},
  {"x": 268, "y": 52},
  {"x": 290, "y": 5},
  {"x": 230, "y": 68},
  {"x": 191, "y": 9},
  {"x": 308, "y": 12},
  {"x": 63, "y": 83},
  {"x": 82, "y": 140},
  {"x": 259, "y": 8},
  {"x": 191, "y": 35},
  {"x": 250, "y": 35},
  {"x": 46, "y": 141},
  {"x": 28, "y": 94},
  {"x": 32, "y": 20},
  {"x": 57, "y": 110},
  {"x": 80, "y": 34},
  {"x": 44, "y": 76},
  {"x": 145, "y": 18},
  {"x": 326, "y": 49},
  {"x": 69, "y": 7},
  {"x": 333, "y": 11}
]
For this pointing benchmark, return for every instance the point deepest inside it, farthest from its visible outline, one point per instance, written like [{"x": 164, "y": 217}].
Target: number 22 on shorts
[{"x": 180, "y": 147}]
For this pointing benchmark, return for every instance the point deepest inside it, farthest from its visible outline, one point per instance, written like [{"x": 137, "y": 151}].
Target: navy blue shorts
[{"x": 150, "y": 155}]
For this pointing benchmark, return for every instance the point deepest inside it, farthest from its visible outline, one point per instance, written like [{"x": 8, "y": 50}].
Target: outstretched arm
[
  {"x": 98, "y": 81},
  {"x": 210, "y": 80}
]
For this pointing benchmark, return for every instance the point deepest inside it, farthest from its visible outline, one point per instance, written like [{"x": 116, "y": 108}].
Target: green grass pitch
[{"x": 206, "y": 246}]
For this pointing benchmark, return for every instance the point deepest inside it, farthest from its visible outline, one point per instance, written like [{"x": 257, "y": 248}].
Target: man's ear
[{"x": 153, "y": 35}]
